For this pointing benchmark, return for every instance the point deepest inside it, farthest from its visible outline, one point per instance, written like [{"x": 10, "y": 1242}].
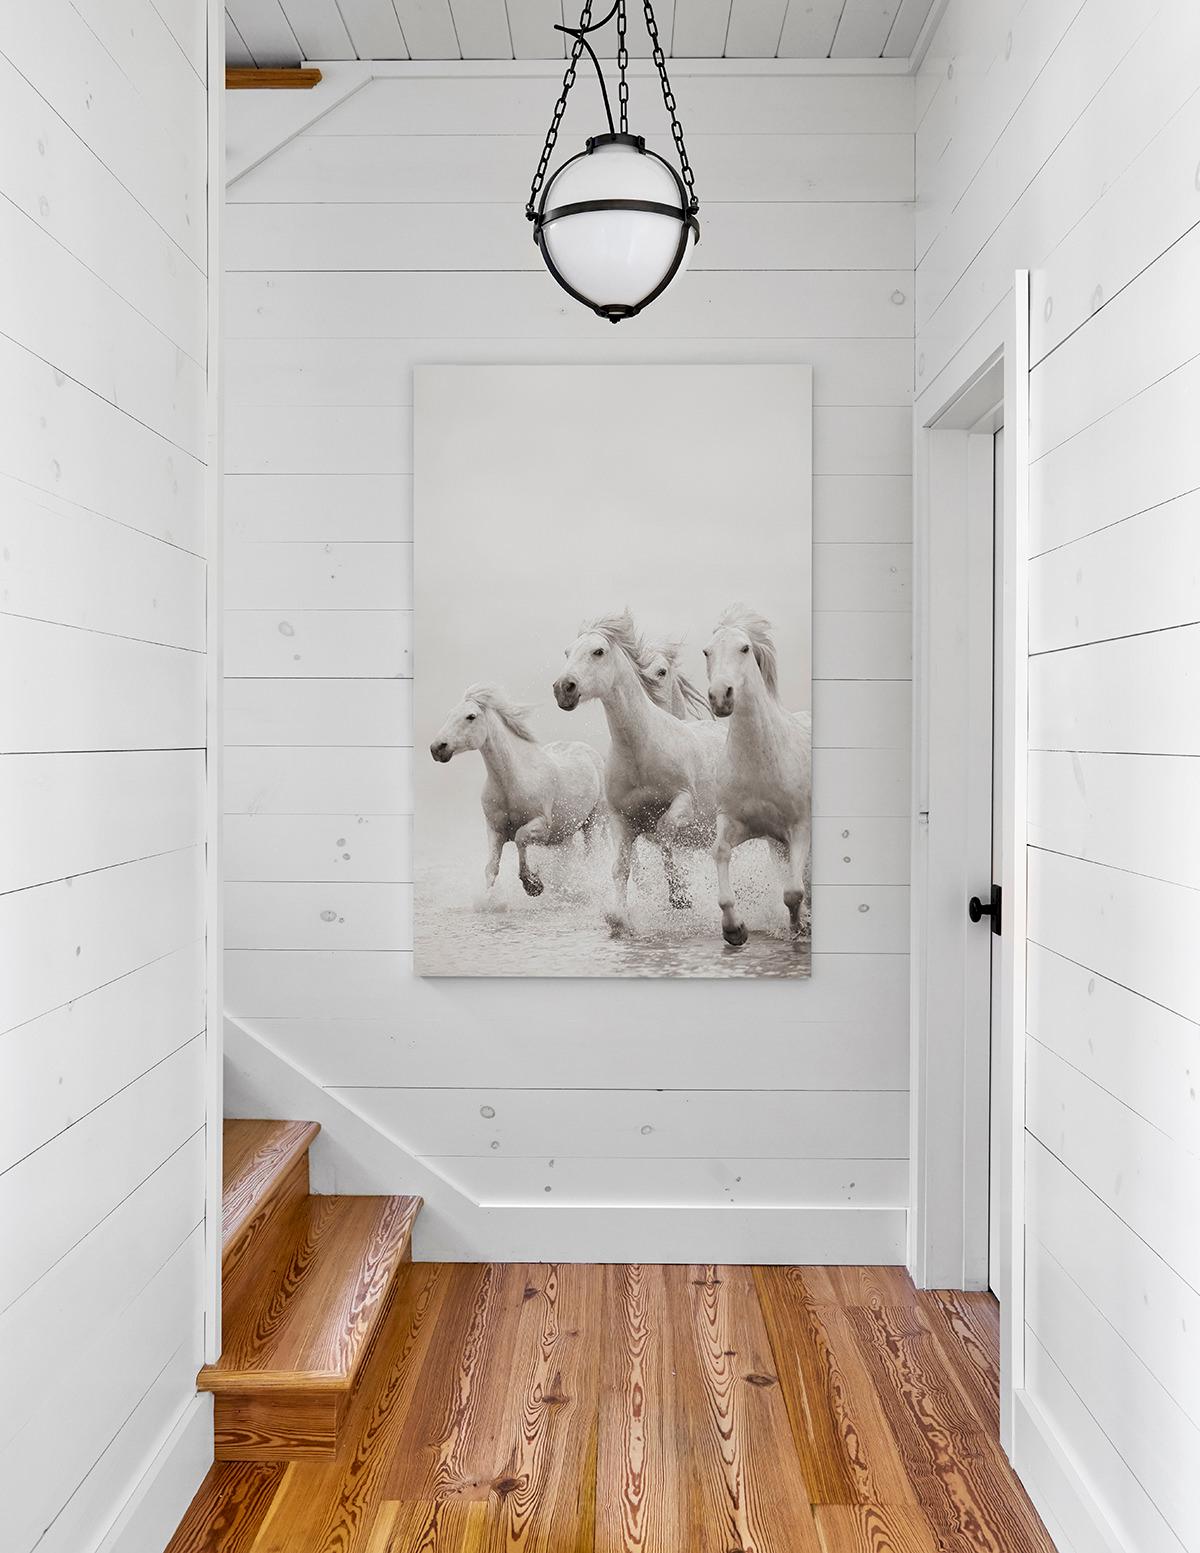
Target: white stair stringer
[{"x": 352, "y": 1155}]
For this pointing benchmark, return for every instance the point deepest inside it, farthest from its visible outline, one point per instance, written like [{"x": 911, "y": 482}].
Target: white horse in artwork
[
  {"x": 535, "y": 794},
  {"x": 661, "y": 777},
  {"x": 765, "y": 777},
  {"x": 674, "y": 691}
]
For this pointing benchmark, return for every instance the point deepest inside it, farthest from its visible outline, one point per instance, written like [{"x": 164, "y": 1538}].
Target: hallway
[{"x": 607, "y": 1409}]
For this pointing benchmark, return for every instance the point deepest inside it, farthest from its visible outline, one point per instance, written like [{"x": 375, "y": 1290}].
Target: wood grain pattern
[
  {"x": 279, "y": 1425},
  {"x": 241, "y": 78},
  {"x": 315, "y": 1322},
  {"x": 307, "y": 1306},
  {"x": 557, "y": 1408},
  {"x": 546, "y": 1476},
  {"x": 961, "y": 1479},
  {"x": 256, "y": 1158},
  {"x": 642, "y": 1499},
  {"x": 966, "y": 1327},
  {"x": 229, "y": 1508},
  {"x": 747, "y": 1479},
  {"x": 874, "y": 1287},
  {"x": 847, "y": 1452},
  {"x": 265, "y": 1166},
  {"x": 448, "y": 1444},
  {"x": 340, "y": 1499},
  {"x": 871, "y": 1529}
]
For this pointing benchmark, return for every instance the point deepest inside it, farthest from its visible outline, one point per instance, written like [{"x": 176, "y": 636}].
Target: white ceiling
[{"x": 282, "y": 32}]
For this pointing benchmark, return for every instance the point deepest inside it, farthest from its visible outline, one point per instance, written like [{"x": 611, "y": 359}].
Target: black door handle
[{"x": 976, "y": 909}]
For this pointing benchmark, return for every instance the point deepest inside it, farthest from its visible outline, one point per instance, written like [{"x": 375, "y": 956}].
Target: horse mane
[
  {"x": 512, "y": 714},
  {"x": 619, "y": 631},
  {"x": 758, "y": 628},
  {"x": 694, "y": 698}
]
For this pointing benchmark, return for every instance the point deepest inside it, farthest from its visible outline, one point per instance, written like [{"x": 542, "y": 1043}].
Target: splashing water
[{"x": 464, "y": 930}]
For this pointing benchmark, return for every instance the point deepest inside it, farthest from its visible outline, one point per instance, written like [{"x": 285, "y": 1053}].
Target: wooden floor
[{"x": 570, "y": 1409}]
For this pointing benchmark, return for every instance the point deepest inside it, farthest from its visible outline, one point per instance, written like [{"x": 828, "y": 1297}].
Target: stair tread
[
  {"x": 307, "y": 1322},
  {"x": 257, "y": 1157}
]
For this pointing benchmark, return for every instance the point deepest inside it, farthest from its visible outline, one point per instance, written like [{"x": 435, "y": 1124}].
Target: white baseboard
[
  {"x": 354, "y": 1156},
  {"x": 157, "y": 1505},
  {"x": 1059, "y": 1492}
]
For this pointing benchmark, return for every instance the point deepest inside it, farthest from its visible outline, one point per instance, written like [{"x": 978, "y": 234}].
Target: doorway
[
  {"x": 997, "y": 1161},
  {"x": 968, "y": 877}
]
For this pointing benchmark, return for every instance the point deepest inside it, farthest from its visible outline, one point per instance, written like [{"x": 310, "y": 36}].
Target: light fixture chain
[
  {"x": 660, "y": 64},
  {"x": 560, "y": 107},
  {"x": 622, "y": 68}
]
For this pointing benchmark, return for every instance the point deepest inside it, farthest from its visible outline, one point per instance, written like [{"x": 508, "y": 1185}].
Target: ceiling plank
[
  {"x": 264, "y": 29},
  {"x": 700, "y": 28},
  {"x": 428, "y": 29},
  {"x": 863, "y": 29},
  {"x": 374, "y": 29},
  {"x": 809, "y": 28},
  {"x": 319, "y": 29},
  {"x": 482, "y": 28},
  {"x": 638, "y": 39},
  {"x": 531, "y": 25},
  {"x": 906, "y": 29},
  {"x": 754, "y": 29},
  {"x": 236, "y": 52}
]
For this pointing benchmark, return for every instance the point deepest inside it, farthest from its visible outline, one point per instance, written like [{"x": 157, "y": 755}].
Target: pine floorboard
[{"x": 652, "y": 1409}]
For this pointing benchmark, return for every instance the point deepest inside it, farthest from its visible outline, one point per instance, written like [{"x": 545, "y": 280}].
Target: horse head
[
  {"x": 464, "y": 729},
  {"x": 673, "y": 691},
  {"x": 468, "y": 726},
  {"x": 740, "y": 658},
  {"x": 594, "y": 661},
  {"x": 658, "y": 667}
]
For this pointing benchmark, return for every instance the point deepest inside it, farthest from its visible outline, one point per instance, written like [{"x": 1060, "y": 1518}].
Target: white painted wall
[
  {"x": 391, "y": 233},
  {"x": 103, "y": 383},
  {"x": 1064, "y": 137}
]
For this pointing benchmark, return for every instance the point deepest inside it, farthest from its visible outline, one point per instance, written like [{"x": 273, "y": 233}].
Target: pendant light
[{"x": 615, "y": 223}]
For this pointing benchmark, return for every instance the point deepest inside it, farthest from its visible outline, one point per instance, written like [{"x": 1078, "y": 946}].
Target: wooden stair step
[
  {"x": 298, "y": 1339},
  {"x": 265, "y": 1174}
]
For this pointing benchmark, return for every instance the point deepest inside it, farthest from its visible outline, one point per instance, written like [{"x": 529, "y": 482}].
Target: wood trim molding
[{"x": 240, "y": 79}]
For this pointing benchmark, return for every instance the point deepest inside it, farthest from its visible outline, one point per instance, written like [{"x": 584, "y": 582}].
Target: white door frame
[
  {"x": 214, "y": 681},
  {"x": 948, "y": 1202}
]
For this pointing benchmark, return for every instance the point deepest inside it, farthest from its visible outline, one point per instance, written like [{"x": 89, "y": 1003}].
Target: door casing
[{"x": 986, "y": 384}]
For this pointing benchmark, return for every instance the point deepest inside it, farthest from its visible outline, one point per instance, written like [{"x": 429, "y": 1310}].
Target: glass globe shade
[{"x": 618, "y": 257}]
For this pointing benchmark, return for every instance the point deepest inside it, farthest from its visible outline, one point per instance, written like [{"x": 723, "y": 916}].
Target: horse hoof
[
  {"x": 532, "y": 885},
  {"x": 618, "y": 925},
  {"x": 736, "y": 936}
]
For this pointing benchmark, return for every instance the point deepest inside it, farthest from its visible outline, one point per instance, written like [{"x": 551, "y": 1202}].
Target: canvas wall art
[{"x": 612, "y": 665}]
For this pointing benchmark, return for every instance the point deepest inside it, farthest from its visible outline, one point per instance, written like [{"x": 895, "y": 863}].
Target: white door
[{"x": 996, "y": 1162}]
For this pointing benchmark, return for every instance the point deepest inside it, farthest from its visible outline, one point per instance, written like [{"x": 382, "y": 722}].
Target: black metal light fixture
[{"x": 615, "y": 223}]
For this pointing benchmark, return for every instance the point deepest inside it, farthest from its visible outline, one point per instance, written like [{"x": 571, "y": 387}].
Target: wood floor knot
[{"x": 762, "y": 1380}]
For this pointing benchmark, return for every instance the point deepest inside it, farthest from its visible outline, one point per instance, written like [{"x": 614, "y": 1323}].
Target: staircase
[{"x": 307, "y": 1286}]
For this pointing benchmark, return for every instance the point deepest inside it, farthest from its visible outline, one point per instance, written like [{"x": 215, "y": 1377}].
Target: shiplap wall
[
  {"x": 392, "y": 233},
  {"x": 103, "y": 315},
  {"x": 1064, "y": 137}
]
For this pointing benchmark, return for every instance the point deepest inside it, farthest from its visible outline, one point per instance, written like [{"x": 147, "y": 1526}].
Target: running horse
[
  {"x": 661, "y": 778},
  {"x": 535, "y": 794},
  {"x": 765, "y": 775}
]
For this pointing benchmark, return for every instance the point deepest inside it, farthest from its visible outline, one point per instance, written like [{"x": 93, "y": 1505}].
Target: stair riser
[
  {"x": 266, "y": 1238},
  {"x": 277, "y": 1426}
]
